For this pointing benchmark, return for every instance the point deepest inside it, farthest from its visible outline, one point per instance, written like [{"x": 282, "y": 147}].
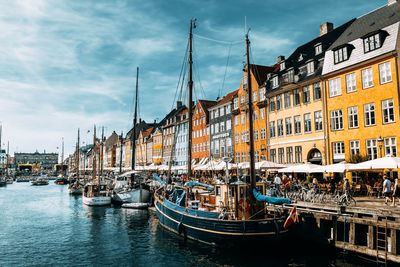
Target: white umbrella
[
  {"x": 265, "y": 164},
  {"x": 301, "y": 168},
  {"x": 126, "y": 174},
  {"x": 378, "y": 164},
  {"x": 337, "y": 168},
  {"x": 244, "y": 165}
]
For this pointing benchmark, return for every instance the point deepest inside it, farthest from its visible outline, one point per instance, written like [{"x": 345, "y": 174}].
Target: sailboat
[
  {"x": 76, "y": 187},
  {"x": 95, "y": 193},
  {"x": 223, "y": 214},
  {"x": 61, "y": 179},
  {"x": 135, "y": 191}
]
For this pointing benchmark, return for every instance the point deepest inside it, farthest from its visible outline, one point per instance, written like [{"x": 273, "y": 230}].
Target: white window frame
[
  {"x": 310, "y": 68},
  {"x": 262, "y": 93},
  {"x": 338, "y": 150},
  {"x": 288, "y": 126},
  {"x": 262, "y": 134},
  {"x": 385, "y": 73},
  {"x": 235, "y": 103},
  {"x": 371, "y": 148},
  {"x": 369, "y": 114},
  {"x": 279, "y": 126},
  {"x": 367, "y": 78},
  {"x": 335, "y": 87},
  {"x": 337, "y": 120},
  {"x": 318, "y": 125},
  {"x": 354, "y": 147},
  {"x": 307, "y": 123},
  {"x": 352, "y": 113},
  {"x": 388, "y": 111},
  {"x": 297, "y": 124},
  {"x": 262, "y": 113},
  {"x": 351, "y": 82},
  {"x": 272, "y": 129},
  {"x": 390, "y": 146}
]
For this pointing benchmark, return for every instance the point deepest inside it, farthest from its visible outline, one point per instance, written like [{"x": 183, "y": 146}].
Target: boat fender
[
  {"x": 182, "y": 229},
  {"x": 244, "y": 204}
]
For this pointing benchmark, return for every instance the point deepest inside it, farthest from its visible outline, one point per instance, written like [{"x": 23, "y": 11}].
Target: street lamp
[{"x": 380, "y": 144}]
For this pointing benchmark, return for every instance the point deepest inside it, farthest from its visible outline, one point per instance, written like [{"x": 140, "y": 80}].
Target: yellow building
[
  {"x": 240, "y": 115},
  {"x": 296, "y": 132},
  {"x": 141, "y": 146},
  {"x": 157, "y": 146},
  {"x": 362, "y": 88}
]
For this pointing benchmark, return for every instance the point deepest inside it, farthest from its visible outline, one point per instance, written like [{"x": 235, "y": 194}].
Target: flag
[{"x": 291, "y": 219}]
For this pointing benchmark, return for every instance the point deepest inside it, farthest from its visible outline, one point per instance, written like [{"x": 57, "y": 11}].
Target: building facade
[
  {"x": 221, "y": 129},
  {"x": 46, "y": 161},
  {"x": 362, "y": 87},
  {"x": 157, "y": 137},
  {"x": 181, "y": 142},
  {"x": 200, "y": 130}
]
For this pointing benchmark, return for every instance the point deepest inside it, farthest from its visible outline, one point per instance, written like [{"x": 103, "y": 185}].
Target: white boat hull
[
  {"x": 96, "y": 201},
  {"x": 132, "y": 196}
]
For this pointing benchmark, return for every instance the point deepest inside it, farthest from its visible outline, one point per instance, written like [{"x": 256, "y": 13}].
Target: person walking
[
  {"x": 387, "y": 189},
  {"x": 396, "y": 191}
]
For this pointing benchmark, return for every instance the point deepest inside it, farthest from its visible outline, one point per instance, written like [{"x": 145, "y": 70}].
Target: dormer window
[
  {"x": 310, "y": 67},
  {"x": 301, "y": 57},
  {"x": 275, "y": 82},
  {"x": 341, "y": 54},
  {"x": 318, "y": 49},
  {"x": 372, "y": 42},
  {"x": 283, "y": 65}
]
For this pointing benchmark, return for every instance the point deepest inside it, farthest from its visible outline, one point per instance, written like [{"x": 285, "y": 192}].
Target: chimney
[
  {"x": 178, "y": 104},
  {"x": 155, "y": 121},
  {"x": 280, "y": 58},
  {"x": 325, "y": 28},
  {"x": 390, "y": 2}
]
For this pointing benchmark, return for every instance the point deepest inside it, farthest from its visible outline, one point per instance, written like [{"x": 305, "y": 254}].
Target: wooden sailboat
[
  {"x": 76, "y": 187},
  {"x": 134, "y": 192},
  {"x": 224, "y": 214},
  {"x": 61, "y": 179},
  {"x": 95, "y": 193}
]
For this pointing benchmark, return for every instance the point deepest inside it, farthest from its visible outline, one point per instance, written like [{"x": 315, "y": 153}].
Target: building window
[
  {"x": 228, "y": 125},
  {"x": 221, "y": 113},
  {"x": 255, "y": 135},
  {"x": 372, "y": 42},
  {"x": 281, "y": 155},
  {"x": 351, "y": 82},
  {"x": 318, "y": 49},
  {"x": 242, "y": 118},
  {"x": 298, "y": 154},
  {"x": 237, "y": 120},
  {"x": 385, "y": 73},
  {"x": 288, "y": 124},
  {"x": 306, "y": 94},
  {"x": 243, "y": 156},
  {"x": 236, "y": 138},
  {"x": 272, "y": 153},
  {"x": 367, "y": 79},
  {"x": 282, "y": 65},
  {"x": 272, "y": 129},
  {"x": 336, "y": 119},
  {"x": 262, "y": 134},
  {"x": 390, "y": 146},
  {"x": 353, "y": 117},
  {"x": 262, "y": 113},
  {"x": 272, "y": 104},
  {"x": 307, "y": 123},
  {"x": 262, "y": 93},
  {"x": 278, "y": 102},
  {"x": 372, "y": 150},
  {"x": 340, "y": 55},
  {"x": 257, "y": 156},
  {"x": 237, "y": 157},
  {"x": 296, "y": 97},
  {"x": 318, "y": 120},
  {"x": 255, "y": 96},
  {"x": 289, "y": 155},
  {"x": 369, "y": 114},
  {"x": 335, "y": 87},
  {"x": 216, "y": 115},
  {"x": 235, "y": 103},
  {"x": 354, "y": 147},
  {"x": 212, "y": 114},
  {"x": 242, "y": 100},
  {"x": 255, "y": 115},
  {"x": 287, "y": 99},
  {"x": 388, "y": 111},
  {"x": 275, "y": 82},
  {"x": 228, "y": 109},
  {"x": 244, "y": 82},
  {"x": 280, "y": 127},
  {"x": 317, "y": 91},
  {"x": 222, "y": 126},
  {"x": 310, "y": 67},
  {"x": 338, "y": 150},
  {"x": 297, "y": 124},
  {"x": 216, "y": 128}
]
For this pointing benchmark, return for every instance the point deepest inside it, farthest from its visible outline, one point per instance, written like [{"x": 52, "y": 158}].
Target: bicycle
[{"x": 346, "y": 199}]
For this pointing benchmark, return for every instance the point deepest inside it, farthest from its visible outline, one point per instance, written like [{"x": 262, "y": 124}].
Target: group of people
[{"x": 391, "y": 191}]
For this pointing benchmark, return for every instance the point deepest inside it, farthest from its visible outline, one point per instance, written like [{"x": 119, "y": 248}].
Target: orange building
[
  {"x": 201, "y": 130},
  {"x": 258, "y": 74}
]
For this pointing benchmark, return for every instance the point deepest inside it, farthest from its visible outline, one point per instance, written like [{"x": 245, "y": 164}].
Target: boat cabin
[{"x": 95, "y": 190}]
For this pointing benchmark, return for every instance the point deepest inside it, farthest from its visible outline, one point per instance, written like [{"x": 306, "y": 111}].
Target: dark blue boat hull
[{"x": 223, "y": 233}]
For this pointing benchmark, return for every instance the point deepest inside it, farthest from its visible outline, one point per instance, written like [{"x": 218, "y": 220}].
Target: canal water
[{"x": 44, "y": 225}]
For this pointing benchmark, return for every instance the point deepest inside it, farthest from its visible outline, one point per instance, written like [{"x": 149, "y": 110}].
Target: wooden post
[
  {"x": 393, "y": 241},
  {"x": 370, "y": 238},
  {"x": 352, "y": 233}
]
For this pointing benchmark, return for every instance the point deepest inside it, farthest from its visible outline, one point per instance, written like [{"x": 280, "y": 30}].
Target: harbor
[{"x": 286, "y": 154}]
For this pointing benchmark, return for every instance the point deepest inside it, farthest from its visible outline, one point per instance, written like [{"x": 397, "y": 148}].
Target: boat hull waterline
[
  {"x": 97, "y": 201},
  {"x": 221, "y": 233}
]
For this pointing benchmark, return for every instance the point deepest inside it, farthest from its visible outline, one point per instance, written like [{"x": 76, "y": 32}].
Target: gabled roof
[
  {"x": 147, "y": 132},
  {"x": 226, "y": 98},
  {"x": 260, "y": 72},
  {"x": 141, "y": 125},
  {"x": 370, "y": 22},
  {"x": 206, "y": 104}
]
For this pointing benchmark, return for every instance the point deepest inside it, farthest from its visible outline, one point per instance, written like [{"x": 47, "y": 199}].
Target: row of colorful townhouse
[{"x": 334, "y": 98}]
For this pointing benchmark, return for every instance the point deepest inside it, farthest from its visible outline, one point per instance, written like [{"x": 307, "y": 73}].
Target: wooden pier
[{"x": 370, "y": 228}]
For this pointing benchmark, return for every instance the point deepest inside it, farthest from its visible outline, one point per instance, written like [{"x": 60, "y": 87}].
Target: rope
[
  {"x": 217, "y": 41},
  {"x": 226, "y": 69}
]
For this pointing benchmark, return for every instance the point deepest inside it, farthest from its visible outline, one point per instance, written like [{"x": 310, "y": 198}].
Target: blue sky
[{"x": 70, "y": 64}]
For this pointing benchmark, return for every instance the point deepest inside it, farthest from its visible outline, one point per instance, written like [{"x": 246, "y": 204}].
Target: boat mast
[
  {"x": 133, "y": 136},
  {"x": 250, "y": 108},
  {"x": 94, "y": 156},
  {"x": 8, "y": 151},
  {"x": 190, "y": 84},
  {"x": 62, "y": 157},
  {"x": 77, "y": 157},
  {"x": 120, "y": 154},
  {"x": 101, "y": 152}
]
